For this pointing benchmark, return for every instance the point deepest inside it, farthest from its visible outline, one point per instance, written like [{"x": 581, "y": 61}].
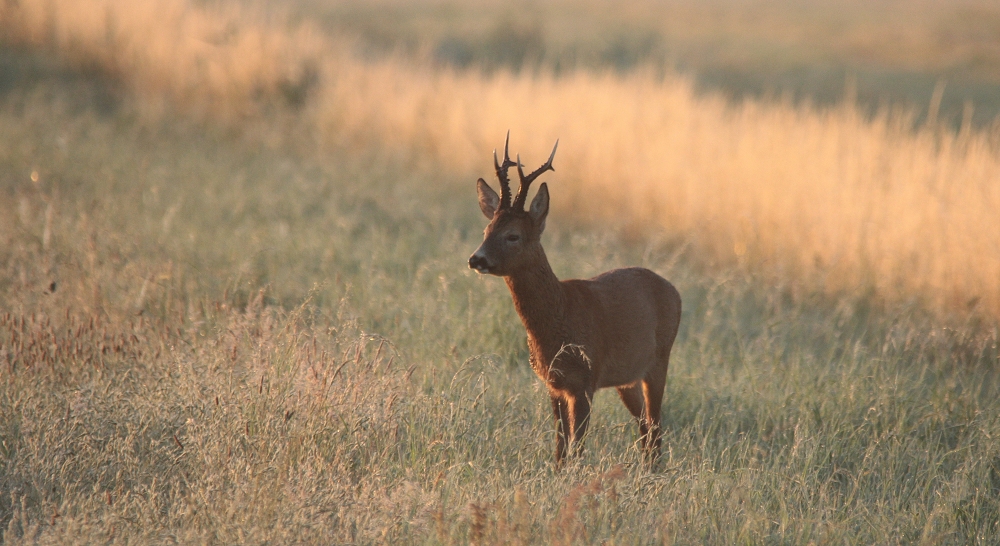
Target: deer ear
[
  {"x": 540, "y": 206},
  {"x": 489, "y": 201}
]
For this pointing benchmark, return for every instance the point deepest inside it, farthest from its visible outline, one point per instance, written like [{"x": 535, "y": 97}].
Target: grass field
[
  {"x": 829, "y": 200},
  {"x": 256, "y": 324}
]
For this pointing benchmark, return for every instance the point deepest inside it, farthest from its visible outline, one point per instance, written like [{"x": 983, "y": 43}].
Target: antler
[
  {"x": 522, "y": 191},
  {"x": 502, "y": 173}
]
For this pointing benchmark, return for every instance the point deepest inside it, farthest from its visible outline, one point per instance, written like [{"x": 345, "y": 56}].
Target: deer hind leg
[
  {"x": 652, "y": 389},
  {"x": 633, "y": 398}
]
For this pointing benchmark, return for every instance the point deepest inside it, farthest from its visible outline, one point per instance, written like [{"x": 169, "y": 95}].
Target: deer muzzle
[{"x": 479, "y": 262}]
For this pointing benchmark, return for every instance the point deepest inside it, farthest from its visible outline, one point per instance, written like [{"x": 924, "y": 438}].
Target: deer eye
[{"x": 513, "y": 238}]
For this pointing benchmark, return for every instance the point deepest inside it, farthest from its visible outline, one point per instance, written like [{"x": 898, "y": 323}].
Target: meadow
[
  {"x": 235, "y": 306},
  {"x": 832, "y": 199}
]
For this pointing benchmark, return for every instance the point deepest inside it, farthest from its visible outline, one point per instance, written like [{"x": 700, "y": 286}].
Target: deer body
[{"x": 614, "y": 330}]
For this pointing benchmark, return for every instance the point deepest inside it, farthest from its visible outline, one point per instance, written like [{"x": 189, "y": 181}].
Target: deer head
[{"x": 513, "y": 236}]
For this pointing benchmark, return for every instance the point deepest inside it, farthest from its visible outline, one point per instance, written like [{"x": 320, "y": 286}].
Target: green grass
[{"x": 206, "y": 338}]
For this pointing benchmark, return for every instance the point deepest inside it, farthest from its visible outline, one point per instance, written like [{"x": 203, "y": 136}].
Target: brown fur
[{"x": 614, "y": 330}]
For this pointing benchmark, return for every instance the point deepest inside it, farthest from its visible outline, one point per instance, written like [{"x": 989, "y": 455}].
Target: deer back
[{"x": 618, "y": 317}]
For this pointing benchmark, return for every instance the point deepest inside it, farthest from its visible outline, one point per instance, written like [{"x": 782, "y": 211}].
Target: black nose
[{"x": 478, "y": 263}]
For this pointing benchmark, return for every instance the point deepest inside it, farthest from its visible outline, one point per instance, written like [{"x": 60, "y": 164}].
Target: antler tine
[
  {"x": 502, "y": 173},
  {"x": 522, "y": 191},
  {"x": 504, "y": 183}
]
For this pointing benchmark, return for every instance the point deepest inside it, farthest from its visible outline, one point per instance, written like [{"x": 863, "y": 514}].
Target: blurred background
[
  {"x": 881, "y": 52},
  {"x": 842, "y": 149}
]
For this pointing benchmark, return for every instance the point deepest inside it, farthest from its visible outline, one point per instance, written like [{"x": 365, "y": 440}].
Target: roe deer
[{"x": 614, "y": 330}]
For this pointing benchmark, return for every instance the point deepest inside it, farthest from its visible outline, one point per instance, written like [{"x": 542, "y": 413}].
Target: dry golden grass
[
  {"x": 832, "y": 199},
  {"x": 204, "y": 340},
  {"x": 828, "y": 200},
  {"x": 216, "y": 62}
]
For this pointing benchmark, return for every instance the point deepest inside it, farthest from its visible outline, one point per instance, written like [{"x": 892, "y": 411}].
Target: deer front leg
[
  {"x": 561, "y": 411},
  {"x": 572, "y": 413},
  {"x": 579, "y": 416}
]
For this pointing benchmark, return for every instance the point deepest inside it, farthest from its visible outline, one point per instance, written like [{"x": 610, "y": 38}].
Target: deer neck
[{"x": 538, "y": 298}]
